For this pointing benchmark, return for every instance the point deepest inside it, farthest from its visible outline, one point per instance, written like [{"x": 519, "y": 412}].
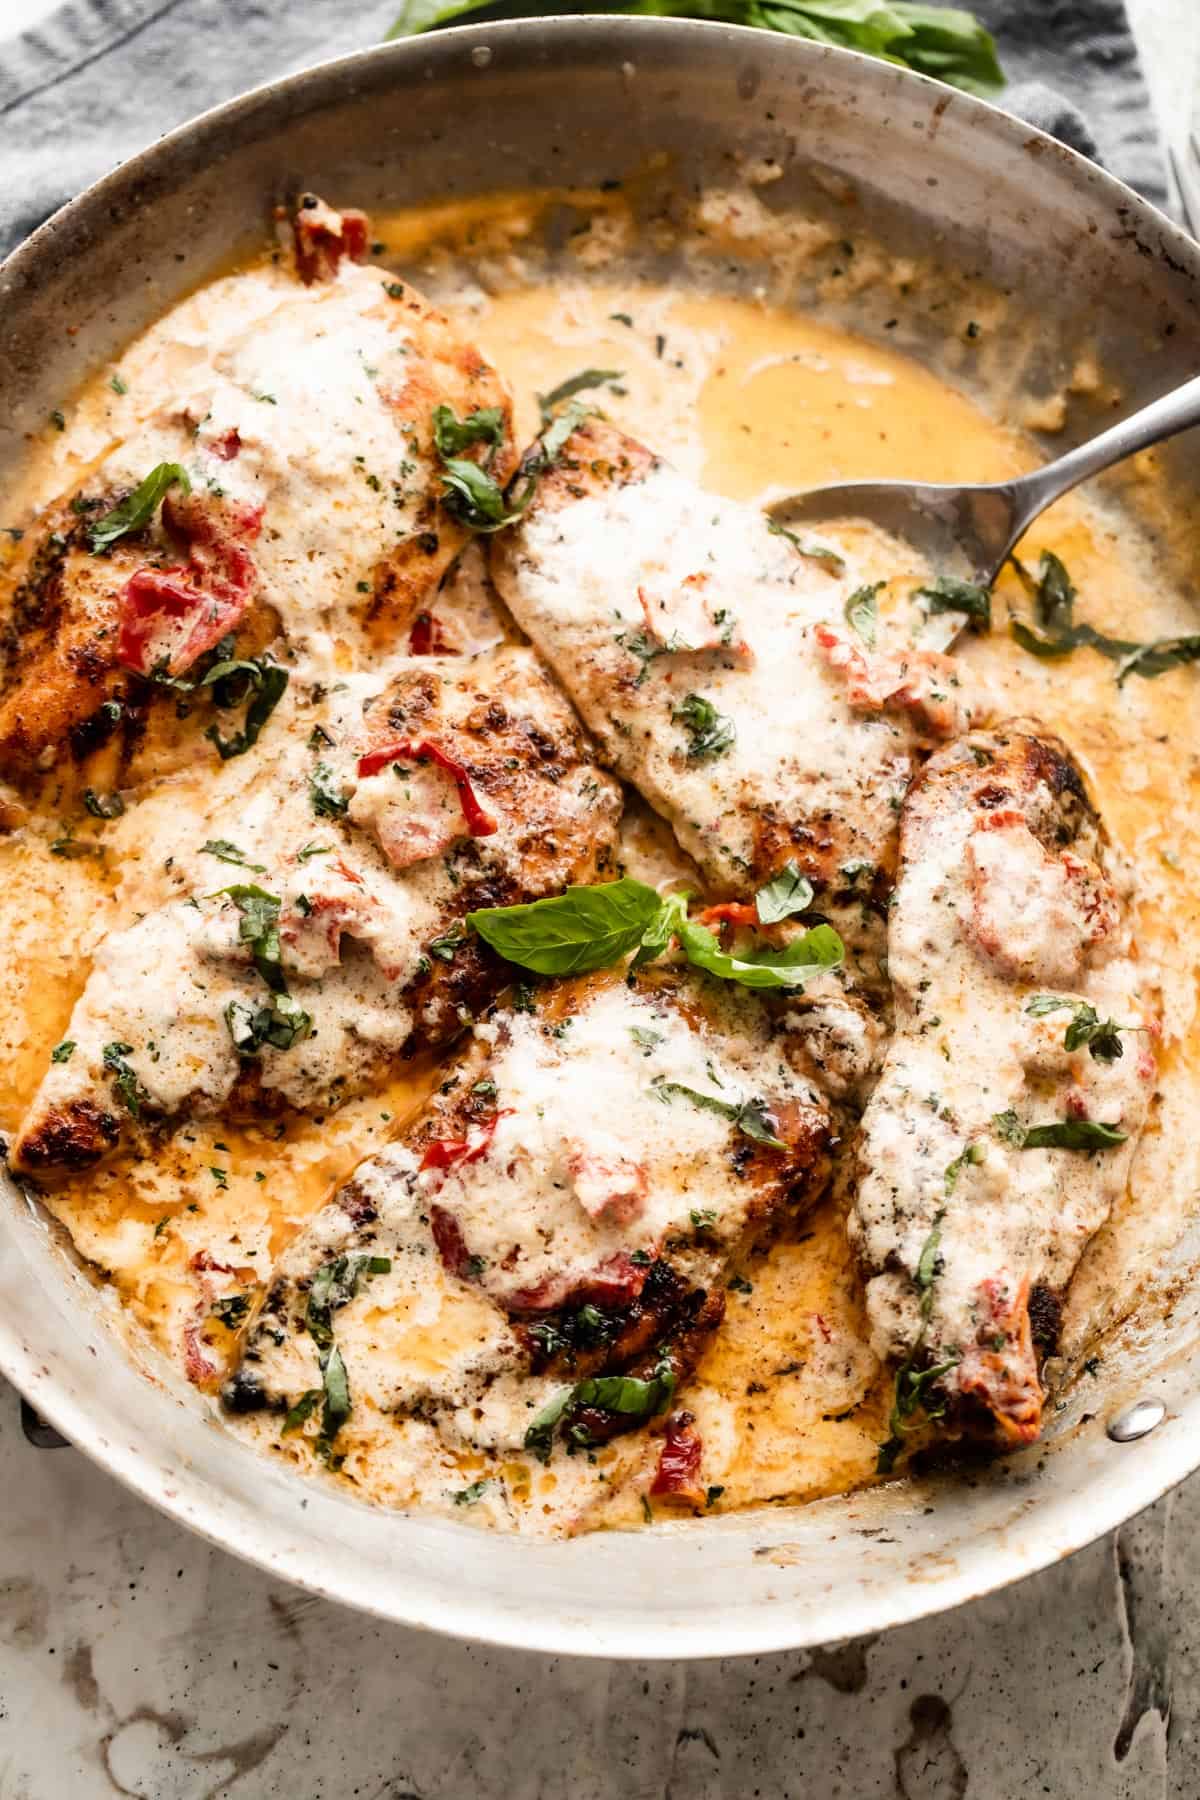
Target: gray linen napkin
[{"x": 102, "y": 78}]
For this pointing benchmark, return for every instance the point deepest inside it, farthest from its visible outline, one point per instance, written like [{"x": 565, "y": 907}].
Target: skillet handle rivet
[{"x": 1136, "y": 1421}]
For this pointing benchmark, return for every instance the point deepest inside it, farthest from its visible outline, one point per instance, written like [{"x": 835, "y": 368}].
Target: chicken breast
[
  {"x": 1000, "y": 1134},
  {"x": 335, "y": 941},
  {"x": 711, "y": 659},
  {"x": 306, "y": 513},
  {"x": 564, "y": 1212}
]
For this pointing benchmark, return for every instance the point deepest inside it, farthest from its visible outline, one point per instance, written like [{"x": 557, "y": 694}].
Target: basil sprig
[
  {"x": 138, "y": 508},
  {"x": 589, "y": 928},
  {"x": 942, "y": 41}
]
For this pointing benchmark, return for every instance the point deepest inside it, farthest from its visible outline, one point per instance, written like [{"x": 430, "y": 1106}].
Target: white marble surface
[{"x": 136, "y": 1660}]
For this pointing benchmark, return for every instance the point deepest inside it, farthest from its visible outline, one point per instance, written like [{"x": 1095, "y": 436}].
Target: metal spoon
[{"x": 968, "y": 531}]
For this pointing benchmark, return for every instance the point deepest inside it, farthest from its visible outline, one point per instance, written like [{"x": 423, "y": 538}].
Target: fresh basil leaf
[
  {"x": 452, "y": 435},
  {"x": 947, "y": 594},
  {"x": 862, "y": 613},
  {"x": 63, "y": 1052},
  {"x": 750, "y": 1117},
  {"x": 710, "y": 733},
  {"x": 792, "y": 967},
  {"x": 138, "y": 508},
  {"x": 226, "y": 852},
  {"x": 951, "y": 45},
  {"x": 540, "y": 1436},
  {"x": 821, "y": 553},
  {"x": 571, "y": 933},
  {"x": 575, "y": 384},
  {"x": 787, "y": 893}
]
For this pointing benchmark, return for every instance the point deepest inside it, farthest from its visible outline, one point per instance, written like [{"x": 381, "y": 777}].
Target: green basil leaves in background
[{"x": 943, "y": 41}]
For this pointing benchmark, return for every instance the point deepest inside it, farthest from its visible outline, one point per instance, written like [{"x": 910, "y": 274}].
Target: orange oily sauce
[{"x": 751, "y": 400}]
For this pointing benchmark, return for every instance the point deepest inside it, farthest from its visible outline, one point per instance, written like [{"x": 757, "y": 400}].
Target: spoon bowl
[{"x": 970, "y": 531}]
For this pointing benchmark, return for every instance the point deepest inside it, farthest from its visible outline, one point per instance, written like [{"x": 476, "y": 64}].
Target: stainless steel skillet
[{"x": 579, "y": 102}]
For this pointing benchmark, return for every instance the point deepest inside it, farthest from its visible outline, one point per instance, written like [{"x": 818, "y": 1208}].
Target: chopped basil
[
  {"x": 1059, "y": 1134},
  {"x": 127, "y": 1084},
  {"x": 750, "y": 1117},
  {"x": 452, "y": 435},
  {"x": 118, "y": 386},
  {"x": 469, "y": 1495},
  {"x": 710, "y": 733},
  {"x": 259, "y": 927},
  {"x": 1101, "y": 1036},
  {"x": 138, "y": 508},
  {"x": 313, "y": 850},
  {"x": 281, "y": 1023},
  {"x": 333, "y": 1286},
  {"x": 973, "y": 1154},
  {"x": 226, "y": 852},
  {"x": 627, "y": 1395},
  {"x": 232, "y": 1309},
  {"x": 304, "y": 1408},
  {"x": 947, "y": 594},
  {"x": 805, "y": 547},
  {"x": 1054, "y": 632},
  {"x": 337, "y": 1407},
  {"x": 862, "y": 613},
  {"x": 325, "y": 793},
  {"x": 575, "y": 384},
  {"x": 786, "y": 893},
  {"x": 103, "y": 806},
  {"x": 266, "y": 684},
  {"x": 445, "y": 946},
  {"x": 647, "y": 1039},
  {"x": 913, "y": 1386},
  {"x": 62, "y": 1053}
]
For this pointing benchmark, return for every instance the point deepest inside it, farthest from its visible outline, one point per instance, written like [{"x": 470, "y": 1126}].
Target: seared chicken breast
[
  {"x": 335, "y": 942},
  {"x": 565, "y": 1210},
  {"x": 711, "y": 659},
  {"x": 999, "y": 1136},
  {"x": 301, "y": 507}
]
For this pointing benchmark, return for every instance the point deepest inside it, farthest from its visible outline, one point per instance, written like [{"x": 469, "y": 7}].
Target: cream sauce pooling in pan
[{"x": 789, "y": 1398}]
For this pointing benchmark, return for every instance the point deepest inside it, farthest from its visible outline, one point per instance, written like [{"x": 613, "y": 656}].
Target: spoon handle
[{"x": 1174, "y": 412}]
